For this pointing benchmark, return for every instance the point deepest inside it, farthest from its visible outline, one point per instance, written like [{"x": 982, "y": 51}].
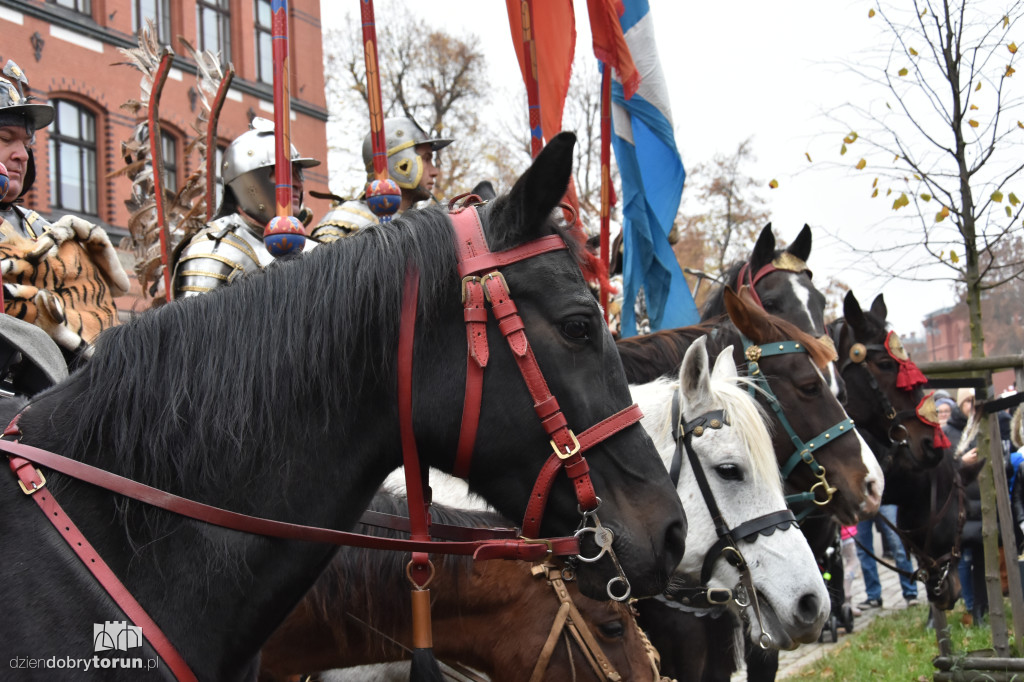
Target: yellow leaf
[
  {"x": 851, "y": 138},
  {"x": 926, "y": 197},
  {"x": 1009, "y": 71},
  {"x": 900, "y": 202},
  {"x": 997, "y": 196},
  {"x": 861, "y": 164},
  {"x": 875, "y": 183},
  {"x": 808, "y": 156},
  {"x": 913, "y": 52},
  {"x": 924, "y": 11},
  {"x": 1009, "y": 212},
  {"x": 875, "y": 193},
  {"x": 944, "y": 212},
  {"x": 871, "y": 13},
  {"x": 842, "y": 150},
  {"x": 974, "y": 107},
  {"x": 916, "y": 176},
  {"x": 939, "y": 217},
  {"x": 773, "y": 184},
  {"x": 953, "y": 257},
  {"x": 903, "y": 71},
  {"x": 978, "y": 86},
  {"x": 1020, "y": 125},
  {"x": 1013, "y": 199},
  {"x": 888, "y": 191},
  {"x": 1006, "y": 21},
  {"x": 972, "y": 123},
  {"x": 1012, "y": 47}
]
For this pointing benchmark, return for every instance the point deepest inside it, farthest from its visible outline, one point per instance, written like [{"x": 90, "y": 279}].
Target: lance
[
  {"x": 382, "y": 193},
  {"x": 532, "y": 86},
  {"x": 211, "y": 139},
  {"x": 163, "y": 69},
  {"x": 5, "y": 184},
  {"x": 284, "y": 233}
]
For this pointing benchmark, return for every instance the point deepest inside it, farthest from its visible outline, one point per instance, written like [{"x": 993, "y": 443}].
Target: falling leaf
[
  {"x": 903, "y": 71},
  {"x": 941, "y": 215},
  {"x": 773, "y": 184},
  {"x": 916, "y": 176},
  {"x": 1013, "y": 199},
  {"x": 871, "y": 13},
  {"x": 861, "y": 164},
  {"x": 974, "y": 107},
  {"x": 888, "y": 191},
  {"x": 1012, "y": 47},
  {"x": 808, "y": 155},
  {"x": 1020, "y": 125},
  {"x": 997, "y": 196},
  {"x": 900, "y": 202},
  {"x": 972, "y": 123},
  {"x": 953, "y": 257},
  {"x": 913, "y": 52},
  {"x": 1009, "y": 212},
  {"x": 1006, "y": 21},
  {"x": 1009, "y": 71},
  {"x": 875, "y": 193},
  {"x": 875, "y": 183},
  {"x": 924, "y": 12},
  {"x": 851, "y": 138},
  {"x": 842, "y": 150},
  {"x": 926, "y": 197},
  {"x": 978, "y": 86}
]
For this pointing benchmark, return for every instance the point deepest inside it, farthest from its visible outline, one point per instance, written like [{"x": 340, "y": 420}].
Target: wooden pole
[
  {"x": 606, "y": 178},
  {"x": 211, "y": 140}
]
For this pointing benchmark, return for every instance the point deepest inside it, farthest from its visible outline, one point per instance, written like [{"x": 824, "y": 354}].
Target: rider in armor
[
  {"x": 232, "y": 244},
  {"x": 60, "y": 276},
  {"x": 410, "y": 153}
]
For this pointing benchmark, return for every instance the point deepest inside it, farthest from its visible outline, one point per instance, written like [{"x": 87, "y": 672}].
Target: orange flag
[{"x": 609, "y": 43}]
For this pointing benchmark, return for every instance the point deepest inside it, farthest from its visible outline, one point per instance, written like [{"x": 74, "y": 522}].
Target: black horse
[{"x": 292, "y": 413}]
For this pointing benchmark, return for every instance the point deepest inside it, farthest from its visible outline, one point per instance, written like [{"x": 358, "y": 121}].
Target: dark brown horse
[{"x": 505, "y": 619}]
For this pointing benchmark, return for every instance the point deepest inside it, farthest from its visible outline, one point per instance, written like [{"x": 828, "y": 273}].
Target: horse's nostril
[
  {"x": 675, "y": 545},
  {"x": 808, "y": 608}
]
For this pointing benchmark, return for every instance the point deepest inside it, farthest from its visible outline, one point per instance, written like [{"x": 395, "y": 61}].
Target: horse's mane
[
  {"x": 779, "y": 329},
  {"x": 314, "y": 334},
  {"x": 376, "y": 580},
  {"x": 647, "y": 357},
  {"x": 744, "y": 414}
]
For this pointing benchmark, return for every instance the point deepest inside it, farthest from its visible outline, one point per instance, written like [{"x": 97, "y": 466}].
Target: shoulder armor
[
  {"x": 218, "y": 255},
  {"x": 342, "y": 220}
]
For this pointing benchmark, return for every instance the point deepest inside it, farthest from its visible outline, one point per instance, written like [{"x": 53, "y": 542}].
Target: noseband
[
  {"x": 727, "y": 546},
  {"x": 804, "y": 449}
]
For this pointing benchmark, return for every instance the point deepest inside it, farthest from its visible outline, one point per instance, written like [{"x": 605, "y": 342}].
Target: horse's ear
[
  {"x": 744, "y": 316},
  {"x": 852, "y": 311},
  {"x": 878, "y": 308},
  {"x": 694, "y": 378},
  {"x": 485, "y": 190},
  {"x": 540, "y": 189},
  {"x": 764, "y": 249},
  {"x": 801, "y": 246},
  {"x": 725, "y": 366}
]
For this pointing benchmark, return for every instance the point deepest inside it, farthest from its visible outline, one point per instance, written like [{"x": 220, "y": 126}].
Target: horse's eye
[
  {"x": 770, "y": 306},
  {"x": 729, "y": 472},
  {"x": 886, "y": 365},
  {"x": 613, "y": 629},
  {"x": 811, "y": 389},
  {"x": 576, "y": 329}
]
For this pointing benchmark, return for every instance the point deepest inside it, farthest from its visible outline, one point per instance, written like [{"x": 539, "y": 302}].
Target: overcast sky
[{"x": 758, "y": 70}]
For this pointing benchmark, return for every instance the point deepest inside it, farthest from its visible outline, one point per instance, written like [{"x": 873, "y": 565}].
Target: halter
[
  {"x": 857, "y": 357},
  {"x": 727, "y": 545},
  {"x": 568, "y": 448},
  {"x": 804, "y": 449},
  {"x": 785, "y": 261}
]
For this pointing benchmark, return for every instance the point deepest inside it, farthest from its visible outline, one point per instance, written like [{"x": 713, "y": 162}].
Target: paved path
[{"x": 791, "y": 662}]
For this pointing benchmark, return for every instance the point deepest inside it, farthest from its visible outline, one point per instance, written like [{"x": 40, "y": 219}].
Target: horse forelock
[
  {"x": 192, "y": 389},
  {"x": 776, "y": 329}
]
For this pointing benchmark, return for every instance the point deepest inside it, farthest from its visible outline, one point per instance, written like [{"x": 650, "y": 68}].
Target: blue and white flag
[{"x": 652, "y": 177}]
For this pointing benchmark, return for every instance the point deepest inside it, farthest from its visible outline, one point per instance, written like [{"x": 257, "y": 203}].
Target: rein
[
  {"x": 568, "y": 448},
  {"x": 804, "y": 451},
  {"x": 727, "y": 545}
]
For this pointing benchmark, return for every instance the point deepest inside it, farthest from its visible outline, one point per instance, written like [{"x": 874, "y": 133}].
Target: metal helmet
[
  {"x": 401, "y": 136},
  {"x": 15, "y": 110},
  {"x": 252, "y": 151}
]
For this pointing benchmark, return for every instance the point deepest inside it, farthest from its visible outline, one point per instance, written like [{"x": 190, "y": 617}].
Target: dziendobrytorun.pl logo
[{"x": 111, "y": 636}]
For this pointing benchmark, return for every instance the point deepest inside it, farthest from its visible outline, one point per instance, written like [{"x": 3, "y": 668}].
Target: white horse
[{"x": 783, "y": 591}]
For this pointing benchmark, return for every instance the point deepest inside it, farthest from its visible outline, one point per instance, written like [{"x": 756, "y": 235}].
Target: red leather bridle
[{"x": 474, "y": 259}]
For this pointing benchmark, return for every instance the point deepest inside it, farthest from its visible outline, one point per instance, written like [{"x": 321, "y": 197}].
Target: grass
[{"x": 896, "y": 647}]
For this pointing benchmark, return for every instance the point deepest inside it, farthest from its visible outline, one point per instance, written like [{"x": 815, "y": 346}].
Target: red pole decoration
[
  {"x": 532, "y": 87},
  {"x": 211, "y": 139},
  {"x": 157, "y": 160},
  {"x": 284, "y": 233},
  {"x": 606, "y": 179},
  {"x": 383, "y": 195}
]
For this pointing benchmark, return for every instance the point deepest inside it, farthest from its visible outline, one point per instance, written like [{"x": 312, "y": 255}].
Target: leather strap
[{"x": 33, "y": 483}]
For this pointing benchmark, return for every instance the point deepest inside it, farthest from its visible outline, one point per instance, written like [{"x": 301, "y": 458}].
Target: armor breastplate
[
  {"x": 219, "y": 255},
  {"x": 342, "y": 220},
  {"x": 27, "y": 222}
]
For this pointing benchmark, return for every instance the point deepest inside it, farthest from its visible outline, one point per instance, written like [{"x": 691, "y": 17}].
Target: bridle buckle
[
  {"x": 466, "y": 281},
  {"x": 573, "y": 451}
]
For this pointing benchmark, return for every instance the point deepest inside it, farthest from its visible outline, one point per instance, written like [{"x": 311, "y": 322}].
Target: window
[
  {"x": 214, "y": 20},
  {"x": 264, "y": 42},
  {"x": 73, "y": 155},
  {"x": 169, "y": 156},
  {"x": 80, "y": 6},
  {"x": 157, "y": 10}
]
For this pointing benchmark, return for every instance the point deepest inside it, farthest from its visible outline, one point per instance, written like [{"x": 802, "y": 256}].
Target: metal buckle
[
  {"x": 541, "y": 541},
  {"x": 719, "y": 595},
  {"x": 567, "y": 455},
  {"x": 465, "y": 285},
  {"x": 492, "y": 275},
  {"x": 35, "y": 488}
]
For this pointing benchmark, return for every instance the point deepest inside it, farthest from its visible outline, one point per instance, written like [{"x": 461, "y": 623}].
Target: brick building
[{"x": 69, "y": 51}]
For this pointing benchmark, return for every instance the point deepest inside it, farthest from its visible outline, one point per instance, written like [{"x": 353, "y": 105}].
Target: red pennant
[
  {"x": 909, "y": 376},
  {"x": 939, "y": 440}
]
